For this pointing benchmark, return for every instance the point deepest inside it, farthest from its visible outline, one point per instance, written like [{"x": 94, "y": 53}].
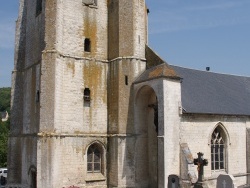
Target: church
[{"x": 93, "y": 106}]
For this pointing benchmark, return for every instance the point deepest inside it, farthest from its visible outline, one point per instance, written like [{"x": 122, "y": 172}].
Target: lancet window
[{"x": 218, "y": 150}]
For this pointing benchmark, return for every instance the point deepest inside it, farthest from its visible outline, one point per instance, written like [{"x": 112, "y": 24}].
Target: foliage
[
  {"x": 4, "y": 132},
  {"x": 5, "y": 99},
  {"x": 4, "y": 126}
]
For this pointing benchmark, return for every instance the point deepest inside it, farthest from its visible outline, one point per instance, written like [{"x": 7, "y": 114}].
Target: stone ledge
[{"x": 95, "y": 177}]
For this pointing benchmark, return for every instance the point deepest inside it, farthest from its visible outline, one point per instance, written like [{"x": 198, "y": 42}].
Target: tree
[
  {"x": 4, "y": 126},
  {"x": 5, "y": 99},
  {"x": 4, "y": 132}
]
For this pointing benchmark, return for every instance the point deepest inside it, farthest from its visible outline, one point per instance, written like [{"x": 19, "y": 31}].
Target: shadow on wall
[{"x": 141, "y": 149}]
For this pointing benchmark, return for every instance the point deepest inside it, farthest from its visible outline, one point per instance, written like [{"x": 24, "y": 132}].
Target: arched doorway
[{"x": 146, "y": 127}]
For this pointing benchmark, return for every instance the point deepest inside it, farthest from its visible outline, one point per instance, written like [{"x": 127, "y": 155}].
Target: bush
[
  {"x": 4, "y": 126},
  {"x": 5, "y": 99}
]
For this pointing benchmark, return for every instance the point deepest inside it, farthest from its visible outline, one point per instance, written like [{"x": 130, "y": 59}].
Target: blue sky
[{"x": 194, "y": 34}]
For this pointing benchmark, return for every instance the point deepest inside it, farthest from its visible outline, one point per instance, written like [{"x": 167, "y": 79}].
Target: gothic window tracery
[{"x": 218, "y": 150}]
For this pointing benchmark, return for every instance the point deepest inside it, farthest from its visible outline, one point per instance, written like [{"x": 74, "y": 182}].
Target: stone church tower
[
  {"x": 72, "y": 105},
  {"x": 94, "y": 107}
]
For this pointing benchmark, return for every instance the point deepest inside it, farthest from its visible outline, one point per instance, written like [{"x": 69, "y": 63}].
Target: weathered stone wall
[
  {"x": 168, "y": 161},
  {"x": 70, "y": 121},
  {"x": 75, "y": 22},
  {"x": 119, "y": 93},
  {"x": 51, "y": 45},
  {"x": 25, "y": 84},
  {"x": 66, "y": 161},
  {"x": 67, "y": 126},
  {"x": 126, "y": 53},
  {"x": 127, "y": 28},
  {"x": 196, "y": 130},
  {"x": 171, "y": 112}
]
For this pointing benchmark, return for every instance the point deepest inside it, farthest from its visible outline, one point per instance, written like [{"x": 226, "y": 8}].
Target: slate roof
[{"x": 212, "y": 93}]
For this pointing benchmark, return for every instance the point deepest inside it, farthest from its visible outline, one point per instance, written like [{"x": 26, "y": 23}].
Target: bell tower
[
  {"x": 72, "y": 104},
  {"x": 127, "y": 38}
]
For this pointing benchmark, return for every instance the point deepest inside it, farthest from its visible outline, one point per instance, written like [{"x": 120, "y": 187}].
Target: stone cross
[
  {"x": 200, "y": 162},
  {"x": 224, "y": 183}
]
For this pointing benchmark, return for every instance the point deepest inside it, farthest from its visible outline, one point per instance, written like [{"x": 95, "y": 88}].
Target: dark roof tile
[{"x": 212, "y": 93}]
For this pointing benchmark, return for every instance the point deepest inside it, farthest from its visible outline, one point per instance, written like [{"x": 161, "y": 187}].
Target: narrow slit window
[
  {"x": 126, "y": 80},
  {"x": 87, "y": 45},
  {"x": 39, "y": 7},
  {"x": 86, "y": 97},
  {"x": 37, "y": 96}
]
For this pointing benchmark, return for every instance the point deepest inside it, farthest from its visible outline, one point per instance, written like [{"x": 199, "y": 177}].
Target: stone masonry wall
[
  {"x": 25, "y": 84},
  {"x": 75, "y": 22},
  {"x": 66, "y": 158},
  {"x": 196, "y": 131}
]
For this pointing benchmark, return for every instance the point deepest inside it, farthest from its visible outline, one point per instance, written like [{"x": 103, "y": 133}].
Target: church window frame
[
  {"x": 218, "y": 149},
  {"x": 95, "y": 159}
]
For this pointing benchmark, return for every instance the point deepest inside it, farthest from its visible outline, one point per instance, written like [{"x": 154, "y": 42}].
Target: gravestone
[
  {"x": 225, "y": 181},
  {"x": 173, "y": 181},
  {"x": 3, "y": 180}
]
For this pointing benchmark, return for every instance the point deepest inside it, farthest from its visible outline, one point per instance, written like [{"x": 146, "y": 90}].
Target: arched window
[
  {"x": 218, "y": 150},
  {"x": 94, "y": 159}
]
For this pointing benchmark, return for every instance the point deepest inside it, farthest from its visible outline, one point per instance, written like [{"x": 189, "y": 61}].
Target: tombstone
[
  {"x": 225, "y": 181},
  {"x": 3, "y": 180},
  {"x": 173, "y": 181}
]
